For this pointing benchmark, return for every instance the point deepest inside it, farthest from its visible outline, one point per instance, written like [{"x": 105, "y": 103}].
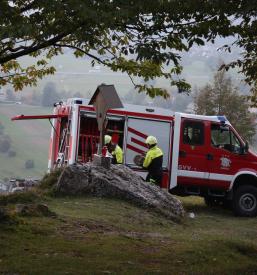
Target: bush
[
  {"x": 29, "y": 164},
  {"x": 49, "y": 180},
  {"x": 34, "y": 210},
  {"x": 5, "y": 145},
  {"x": 11, "y": 153},
  {"x": 3, "y": 215},
  {"x": 1, "y": 129},
  {"x": 23, "y": 197},
  {"x": 6, "y": 137}
]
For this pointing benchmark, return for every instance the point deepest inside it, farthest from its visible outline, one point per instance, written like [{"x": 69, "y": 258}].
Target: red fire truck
[{"x": 203, "y": 155}]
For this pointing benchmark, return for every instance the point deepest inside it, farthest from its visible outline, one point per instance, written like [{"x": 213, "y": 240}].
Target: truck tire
[{"x": 245, "y": 201}]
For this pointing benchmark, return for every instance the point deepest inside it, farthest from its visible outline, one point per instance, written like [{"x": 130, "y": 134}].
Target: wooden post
[{"x": 104, "y": 98}]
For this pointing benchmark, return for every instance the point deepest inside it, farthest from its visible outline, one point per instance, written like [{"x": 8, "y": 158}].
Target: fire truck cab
[{"x": 203, "y": 155}]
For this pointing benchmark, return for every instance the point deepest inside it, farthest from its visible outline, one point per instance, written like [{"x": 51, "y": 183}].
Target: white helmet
[
  {"x": 151, "y": 140},
  {"x": 107, "y": 139}
]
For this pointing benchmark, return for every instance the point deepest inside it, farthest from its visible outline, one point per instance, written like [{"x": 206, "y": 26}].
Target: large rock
[{"x": 118, "y": 182}]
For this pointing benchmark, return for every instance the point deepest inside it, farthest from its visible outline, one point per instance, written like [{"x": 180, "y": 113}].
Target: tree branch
[
  {"x": 131, "y": 79},
  {"x": 29, "y": 50},
  {"x": 79, "y": 49}
]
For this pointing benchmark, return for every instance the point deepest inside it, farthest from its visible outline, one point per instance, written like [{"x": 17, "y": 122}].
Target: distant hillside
[
  {"x": 76, "y": 74},
  {"x": 29, "y": 140}
]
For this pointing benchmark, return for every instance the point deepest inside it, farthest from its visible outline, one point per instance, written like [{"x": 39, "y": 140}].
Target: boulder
[{"x": 118, "y": 182}]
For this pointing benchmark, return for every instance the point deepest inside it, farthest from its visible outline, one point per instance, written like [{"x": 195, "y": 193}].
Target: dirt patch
[{"x": 76, "y": 229}]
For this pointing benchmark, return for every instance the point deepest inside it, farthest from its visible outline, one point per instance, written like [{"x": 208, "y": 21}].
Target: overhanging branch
[
  {"x": 84, "y": 52},
  {"x": 29, "y": 50}
]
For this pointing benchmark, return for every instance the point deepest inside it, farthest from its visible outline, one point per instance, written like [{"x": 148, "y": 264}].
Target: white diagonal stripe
[{"x": 204, "y": 175}]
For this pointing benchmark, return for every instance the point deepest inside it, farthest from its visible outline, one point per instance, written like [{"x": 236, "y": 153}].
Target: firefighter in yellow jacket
[
  {"x": 114, "y": 150},
  {"x": 153, "y": 161}
]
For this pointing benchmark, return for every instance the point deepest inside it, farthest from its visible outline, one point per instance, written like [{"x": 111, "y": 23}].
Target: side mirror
[
  {"x": 244, "y": 148},
  {"x": 224, "y": 128}
]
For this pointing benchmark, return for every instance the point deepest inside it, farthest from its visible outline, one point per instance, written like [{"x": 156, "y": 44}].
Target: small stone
[{"x": 191, "y": 215}]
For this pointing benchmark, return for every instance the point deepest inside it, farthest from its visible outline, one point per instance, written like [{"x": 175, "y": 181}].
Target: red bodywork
[{"x": 198, "y": 165}]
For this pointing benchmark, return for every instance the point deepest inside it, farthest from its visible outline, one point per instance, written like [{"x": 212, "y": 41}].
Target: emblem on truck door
[{"x": 225, "y": 162}]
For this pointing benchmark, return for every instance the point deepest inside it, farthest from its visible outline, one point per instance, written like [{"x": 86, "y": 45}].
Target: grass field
[
  {"x": 30, "y": 140},
  {"x": 101, "y": 236}
]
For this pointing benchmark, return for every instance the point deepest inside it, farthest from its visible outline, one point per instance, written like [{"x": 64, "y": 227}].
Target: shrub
[
  {"x": 29, "y": 164},
  {"x": 49, "y": 180},
  {"x": 22, "y": 197},
  {"x": 6, "y": 137},
  {"x": 34, "y": 210},
  {"x": 11, "y": 153},
  {"x": 1, "y": 129},
  {"x": 5, "y": 145},
  {"x": 3, "y": 214}
]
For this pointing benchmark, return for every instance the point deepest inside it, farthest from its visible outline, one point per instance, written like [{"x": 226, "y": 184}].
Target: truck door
[
  {"x": 225, "y": 158},
  {"x": 192, "y": 162},
  {"x": 137, "y": 131}
]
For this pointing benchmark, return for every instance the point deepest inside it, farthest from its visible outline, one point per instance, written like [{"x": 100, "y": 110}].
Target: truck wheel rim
[{"x": 248, "y": 202}]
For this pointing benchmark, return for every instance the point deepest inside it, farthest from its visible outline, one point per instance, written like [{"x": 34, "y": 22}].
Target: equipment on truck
[{"x": 203, "y": 155}]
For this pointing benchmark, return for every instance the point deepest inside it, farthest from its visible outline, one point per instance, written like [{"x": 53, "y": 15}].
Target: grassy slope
[
  {"x": 99, "y": 236},
  {"x": 30, "y": 140}
]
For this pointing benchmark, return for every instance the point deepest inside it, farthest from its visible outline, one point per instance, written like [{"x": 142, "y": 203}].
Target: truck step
[
  {"x": 216, "y": 193},
  {"x": 192, "y": 190}
]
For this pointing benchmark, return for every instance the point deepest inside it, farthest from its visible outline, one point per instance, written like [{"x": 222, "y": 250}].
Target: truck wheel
[{"x": 245, "y": 201}]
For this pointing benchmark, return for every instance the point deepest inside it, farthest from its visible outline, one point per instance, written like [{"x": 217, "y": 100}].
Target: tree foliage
[
  {"x": 222, "y": 98},
  {"x": 10, "y": 95},
  {"x": 29, "y": 164},
  {"x": 5, "y": 144},
  {"x": 1, "y": 128},
  {"x": 50, "y": 95},
  {"x": 141, "y": 38}
]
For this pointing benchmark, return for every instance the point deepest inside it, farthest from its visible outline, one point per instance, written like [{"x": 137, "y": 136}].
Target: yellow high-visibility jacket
[
  {"x": 153, "y": 160},
  {"x": 117, "y": 155}
]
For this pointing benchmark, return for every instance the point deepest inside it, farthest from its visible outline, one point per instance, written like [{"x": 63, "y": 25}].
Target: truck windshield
[{"x": 225, "y": 139}]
